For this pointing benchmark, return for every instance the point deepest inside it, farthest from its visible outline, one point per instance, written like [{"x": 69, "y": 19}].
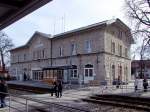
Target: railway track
[{"x": 121, "y": 101}]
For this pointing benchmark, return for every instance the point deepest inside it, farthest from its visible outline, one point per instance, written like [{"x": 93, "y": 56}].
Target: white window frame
[
  {"x": 126, "y": 52},
  {"x": 89, "y": 72},
  {"x": 120, "y": 52},
  {"x": 113, "y": 50},
  {"x": 73, "y": 49},
  {"x": 88, "y": 46},
  {"x": 73, "y": 75}
]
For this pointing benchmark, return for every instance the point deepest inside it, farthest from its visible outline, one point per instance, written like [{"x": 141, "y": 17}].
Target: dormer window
[{"x": 120, "y": 34}]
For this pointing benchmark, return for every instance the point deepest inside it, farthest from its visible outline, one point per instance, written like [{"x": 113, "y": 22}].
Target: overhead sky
[{"x": 63, "y": 15}]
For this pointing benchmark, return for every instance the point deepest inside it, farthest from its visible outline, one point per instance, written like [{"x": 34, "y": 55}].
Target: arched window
[
  {"x": 88, "y": 66},
  {"x": 88, "y": 70},
  {"x": 74, "y": 71},
  {"x": 113, "y": 72}
]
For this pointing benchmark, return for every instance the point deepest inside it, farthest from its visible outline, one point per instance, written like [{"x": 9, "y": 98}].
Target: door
[{"x": 88, "y": 73}]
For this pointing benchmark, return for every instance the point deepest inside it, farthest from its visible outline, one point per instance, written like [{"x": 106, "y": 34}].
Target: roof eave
[{"x": 23, "y": 12}]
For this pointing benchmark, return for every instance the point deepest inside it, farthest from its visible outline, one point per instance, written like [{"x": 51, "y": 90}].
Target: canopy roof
[
  {"x": 59, "y": 67},
  {"x": 13, "y": 10}
]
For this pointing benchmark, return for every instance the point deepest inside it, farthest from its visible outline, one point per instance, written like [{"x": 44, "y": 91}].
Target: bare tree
[
  {"x": 138, "y": 12},
  {"x": 5, "y": 45}
]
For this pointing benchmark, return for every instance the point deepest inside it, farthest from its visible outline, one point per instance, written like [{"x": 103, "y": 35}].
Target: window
[
  {"x": 88, "y": 46},
  {"x": 74, "y": 72},
  {"x": 120, "y": 50},
  {"x": 24, "y": 57},
  {"x": 60, "y": 51},
  {"x": 38, "y": 54},
  {"x": 120, "y": 34},
  {"x": 126, "y": 52},
  {"x": 120, "y": 72},
  {"x": 73, "y": 49},
  {"x": 126, "y": 73},
  {"x": 34, "y": 55},
  {"x": 18, "y": 58},
  {"x": 88, "y": 70},
  {"x": 113, "y": 47},
  {"x": 12, "y": 58},
  {"x": 113, "y": 72},
  {"x": 43, "y": 53}
]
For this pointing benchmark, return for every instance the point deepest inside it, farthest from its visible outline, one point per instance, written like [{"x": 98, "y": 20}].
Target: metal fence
[{"x": 17, "y": 103}]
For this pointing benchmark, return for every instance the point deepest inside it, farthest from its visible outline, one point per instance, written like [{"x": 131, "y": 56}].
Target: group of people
[
  {"x": 57, "y": 89},
  {"x": 145, "y": 84}
]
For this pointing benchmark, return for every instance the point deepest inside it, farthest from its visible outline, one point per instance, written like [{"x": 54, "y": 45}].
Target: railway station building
[{"x": 99, "y": 52}]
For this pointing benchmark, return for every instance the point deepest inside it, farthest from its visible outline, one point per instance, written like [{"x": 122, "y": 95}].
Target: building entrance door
[{"x": 88, "y": 73}]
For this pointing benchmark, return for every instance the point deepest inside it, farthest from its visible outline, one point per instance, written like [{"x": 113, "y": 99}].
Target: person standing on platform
[
  {"x": 136, "y": 84},
  {"x": 56, "y": 88},
  {"x": 118, "y": 82},
  {"x": 3, "y": 94},
  {"x": 60, "y": 88},
  {"x": 145, "y": 84}
]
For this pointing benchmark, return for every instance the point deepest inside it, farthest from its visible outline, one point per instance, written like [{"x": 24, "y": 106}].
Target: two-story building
[{"x": 98, "y": 52}]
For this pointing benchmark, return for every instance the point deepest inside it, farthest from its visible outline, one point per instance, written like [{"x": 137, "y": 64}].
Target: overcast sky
[{"x": 63, "y": 15}]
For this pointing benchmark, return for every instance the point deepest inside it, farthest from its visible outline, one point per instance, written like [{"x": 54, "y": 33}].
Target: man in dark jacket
[
  {"x": 60, "y": 88},
  {"x": 3, "y": 92},
  {"x": 145, "y": 84}
]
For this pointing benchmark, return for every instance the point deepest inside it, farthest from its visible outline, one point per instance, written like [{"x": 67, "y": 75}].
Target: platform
[{"x": 31, "y": 86}]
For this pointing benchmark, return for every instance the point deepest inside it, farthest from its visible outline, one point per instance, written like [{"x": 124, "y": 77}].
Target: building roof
[
  {"x": 13, "y": 10},
  {"x": 30, "y": 40},
  {"x": 94, "y": 26},
  {"x": 98, "y": 25},
  {"x": 80, "y": 29},
  {"x": 117, "y": 22},
  {"x": 40, "y": 34}
]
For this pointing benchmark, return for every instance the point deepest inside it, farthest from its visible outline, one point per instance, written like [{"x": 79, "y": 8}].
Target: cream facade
[{"x": 99, "y": 52}]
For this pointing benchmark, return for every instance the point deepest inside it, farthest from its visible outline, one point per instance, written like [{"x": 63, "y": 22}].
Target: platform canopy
[
  {"x": 59, "y": 67},
  {"x": 13, "y": 10}
]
